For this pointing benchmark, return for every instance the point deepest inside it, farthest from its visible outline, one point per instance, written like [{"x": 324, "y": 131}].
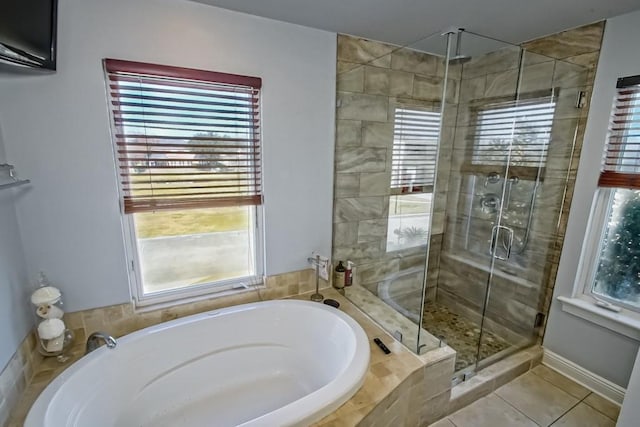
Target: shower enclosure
[{"x": 452, "y": 168}]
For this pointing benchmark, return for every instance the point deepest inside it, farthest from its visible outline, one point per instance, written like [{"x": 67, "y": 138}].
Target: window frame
[
  {"x": 608, "y": 183},
  {"x": 582, "y": 302},
  {"x": 592, "y": 248},
  {"x": 188, "y": 293},
  {"x": 194, "y": 292}
]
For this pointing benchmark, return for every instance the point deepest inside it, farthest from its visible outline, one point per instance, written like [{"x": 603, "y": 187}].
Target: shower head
[{"x": 459, "y": 58}]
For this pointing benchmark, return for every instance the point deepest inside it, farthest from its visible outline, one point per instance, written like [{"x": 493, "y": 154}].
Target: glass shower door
[
  {"x": 487, "y": 72},
  {"x": 519, "y": 130},
  {"x": 538, "y": 130}
]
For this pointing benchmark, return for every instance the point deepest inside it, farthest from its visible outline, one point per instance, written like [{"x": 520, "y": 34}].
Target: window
[
  {"x": 187, "y": 144},
  {"x": 617, "y": 270},
  {"x": 409, "y": 221},
  {"x": 612, "y": 248},
  {"x": 414, "y": 159},
  {"x": 520, "y": 128}
]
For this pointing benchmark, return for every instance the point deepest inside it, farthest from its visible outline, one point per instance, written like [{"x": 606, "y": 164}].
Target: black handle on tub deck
[{"x": 380, "y": 344}]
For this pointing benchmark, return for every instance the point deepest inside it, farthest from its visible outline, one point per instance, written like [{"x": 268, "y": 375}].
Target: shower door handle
[{"x": 495, "y": 235}]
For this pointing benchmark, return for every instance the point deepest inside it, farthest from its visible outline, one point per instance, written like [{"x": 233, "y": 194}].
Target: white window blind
[
  {"x": 415, "y": 146},
  {"x": 184, "y": 138},
  {"x": 621, "y": 165},
  {"x": 523, "y": 126}
]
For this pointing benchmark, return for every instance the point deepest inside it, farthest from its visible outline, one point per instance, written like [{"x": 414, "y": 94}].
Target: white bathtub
[{"x": 274, "y": 363}]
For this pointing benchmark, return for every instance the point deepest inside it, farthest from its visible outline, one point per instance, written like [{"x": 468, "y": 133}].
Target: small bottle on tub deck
[
  {"x": 338, "y": 276},
  {"x": 348, "y": 274}
]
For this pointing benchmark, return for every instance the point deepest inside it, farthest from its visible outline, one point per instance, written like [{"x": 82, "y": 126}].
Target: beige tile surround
[
  {"x": 404, "y": 389},
  {"x": 15, "y": 378},
  {"x": 401, "y": 388},
  {"x": 27, "y": 373}
]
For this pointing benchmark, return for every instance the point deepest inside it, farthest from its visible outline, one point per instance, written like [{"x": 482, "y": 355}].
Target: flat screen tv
[{"x": 28, "y": 33}]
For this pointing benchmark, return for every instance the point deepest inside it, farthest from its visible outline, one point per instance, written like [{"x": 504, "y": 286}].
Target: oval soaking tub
[{"x": 272, "y": 363}]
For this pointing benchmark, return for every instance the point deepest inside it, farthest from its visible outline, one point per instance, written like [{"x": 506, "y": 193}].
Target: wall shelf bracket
[{"x": 8, "y": 178}]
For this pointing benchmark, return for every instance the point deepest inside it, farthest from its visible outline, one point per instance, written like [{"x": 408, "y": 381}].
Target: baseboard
[{"x": 593, "y": 382}]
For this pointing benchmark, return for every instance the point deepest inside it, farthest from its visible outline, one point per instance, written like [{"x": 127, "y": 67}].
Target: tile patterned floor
[
  {"x": 461, "y": 334},
  {"x": 541, "y": 397}
]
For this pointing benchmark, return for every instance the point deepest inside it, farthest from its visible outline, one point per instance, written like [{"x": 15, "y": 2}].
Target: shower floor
[{"x": 461, "y": 334}]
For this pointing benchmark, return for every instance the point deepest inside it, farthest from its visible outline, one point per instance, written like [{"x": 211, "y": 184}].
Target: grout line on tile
[
  {"x": 594, "y": 408},
  {"x": 518, "y": 410},
  {"x": 579, "y": 401},
  {"x": 560, "y": 388},
  {"x": 565, "y": 413},
  {"x": 585, "y": 398}
]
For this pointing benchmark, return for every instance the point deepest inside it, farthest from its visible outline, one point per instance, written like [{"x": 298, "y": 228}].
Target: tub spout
[{"x": 93, "y": 342}]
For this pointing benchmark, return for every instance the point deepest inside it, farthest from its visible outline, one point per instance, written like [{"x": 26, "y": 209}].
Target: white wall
[
  {"x": 599, "y": 350},
  {"x": 630, "y": 413},
  {"x": 57, "y": 130},
  {"x": 14, "y": 303}
]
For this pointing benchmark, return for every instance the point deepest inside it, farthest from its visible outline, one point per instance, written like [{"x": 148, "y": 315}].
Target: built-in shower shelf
[
  {"x": 8, "y": 178},
  {"x": 496, "y": 271}
]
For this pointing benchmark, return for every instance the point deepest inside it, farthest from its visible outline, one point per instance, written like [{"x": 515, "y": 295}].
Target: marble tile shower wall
[
  {"x": 565, "y": 62},
  {"x": 580, "y": 46},
  {"x": 372, "y": 79}
]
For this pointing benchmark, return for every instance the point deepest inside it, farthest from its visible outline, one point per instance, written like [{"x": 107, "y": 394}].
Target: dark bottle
[{"x": 338, "y": 276}]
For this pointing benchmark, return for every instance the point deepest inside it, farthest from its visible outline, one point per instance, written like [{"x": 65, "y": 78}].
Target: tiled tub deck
[{"x": 400, "y": 389}]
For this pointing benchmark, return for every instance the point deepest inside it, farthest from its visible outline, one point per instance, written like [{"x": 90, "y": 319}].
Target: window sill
[
  {"x": 625, "y": 322},
  {"x": 187, "y": 296}
]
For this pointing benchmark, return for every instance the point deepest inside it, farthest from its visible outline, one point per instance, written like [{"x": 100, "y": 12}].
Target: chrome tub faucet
[{"x": 93, "y": 342}]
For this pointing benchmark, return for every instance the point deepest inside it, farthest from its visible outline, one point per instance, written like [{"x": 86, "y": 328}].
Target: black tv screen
[{"x": 28, "y": 32}]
